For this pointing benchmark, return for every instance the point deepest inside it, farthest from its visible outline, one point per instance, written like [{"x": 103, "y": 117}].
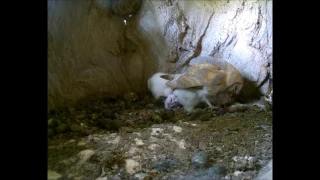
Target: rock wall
[{"x": 110, "y": 47}]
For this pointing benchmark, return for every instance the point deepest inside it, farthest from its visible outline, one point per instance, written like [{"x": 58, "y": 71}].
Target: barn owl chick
[
  {"x": 158, "y": 87},
  {"x": 190, "y": 98}
]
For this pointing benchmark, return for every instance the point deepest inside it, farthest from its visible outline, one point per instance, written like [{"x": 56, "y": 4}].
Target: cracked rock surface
[{"x": 92, "y": 50}]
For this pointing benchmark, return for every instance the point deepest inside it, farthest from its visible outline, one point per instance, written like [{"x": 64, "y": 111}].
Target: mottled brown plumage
[{"x": 212, "y": 75}]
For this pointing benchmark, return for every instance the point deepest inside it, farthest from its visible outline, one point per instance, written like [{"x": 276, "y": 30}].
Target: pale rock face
[{"x": 112, "y": 57}]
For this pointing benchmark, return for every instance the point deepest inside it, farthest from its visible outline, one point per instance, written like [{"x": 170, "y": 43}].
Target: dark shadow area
[{"x": 249, "y": 92}]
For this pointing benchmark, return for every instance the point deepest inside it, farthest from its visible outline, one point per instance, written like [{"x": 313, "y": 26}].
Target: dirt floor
[{"x": 132, "y": 138}]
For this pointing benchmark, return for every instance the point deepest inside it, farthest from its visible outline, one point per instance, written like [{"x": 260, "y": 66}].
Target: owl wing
[{"x": 184, "y": 82}]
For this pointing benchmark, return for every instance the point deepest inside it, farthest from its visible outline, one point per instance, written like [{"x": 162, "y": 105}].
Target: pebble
[
  {"x": 51, "y": 123},
  {"x": 177, "y": 129},
  {"x": 139, "y": 142},
  {"x": 71, "y": 141},
  {"x": 52, "y": 175},
  {"x": 116, "y": 177},
  {"x": 85, "y": 155},
  {"x": 219, "y": 149},
  {"x": 102, "y": 178},
  {"x": 237, "y": 173},
  {"x": 141, "y": 176},
  {"x": 243, "y": 162},
  {"x": 131, "y": 165},
  {"x": 200, "y": 159},
  {"x": 81, "y": 143},
  {"x": 89, "y": 138}
]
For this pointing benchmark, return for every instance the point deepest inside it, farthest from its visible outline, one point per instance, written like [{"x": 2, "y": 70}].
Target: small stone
[
  {"x": 177, "y": 129},
  {"x": 71, "y": 141},
  {"x": 219, "y": 149},
  {"x": 200, "y": 159},
  {"x": 51, "y": 123},
  {"x": 140, "y": 176},
  {"x": 127, "y": 129},
  {"x": 264, "y": 126},
  {"x": 52, "y": 175},
  {"x": 116, "y": 177},
  {"x": 81, "y": 143},
  {"x": 102, "y": 178},
  {"x": 240, "y": 162},
  {"x": 251, "y": 161},
  {"x": 237, "y": 173},
  {"x": 156, "y": 131},
  {"x": 139, "y": 142},
  {"x": 131, "y": 165},
  {"x": 89, "y": 138},
  {"x": 85, "y": 155}
]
